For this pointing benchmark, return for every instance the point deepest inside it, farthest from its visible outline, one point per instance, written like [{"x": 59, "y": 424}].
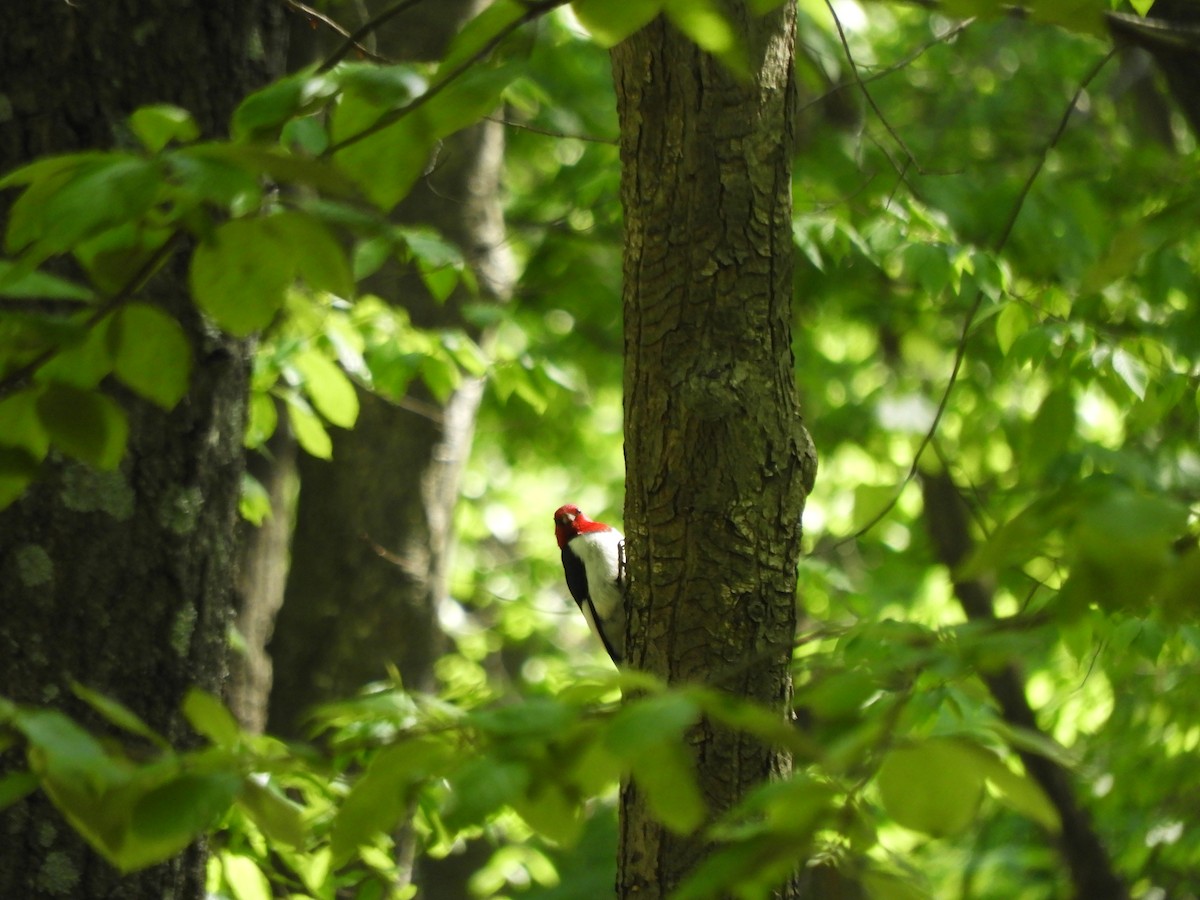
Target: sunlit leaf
[
  {"x": 933, "y": 786},
  {"x": 331, "y": 392},
  {"x": 118, "y": 714},
  {"x": 239, "y": 276},
  {"x": 610, "y": 23},
  {"x": 152, "y": 354},
  {"x": 156, "y": 126},
  {"x": 210, "y": 717}
]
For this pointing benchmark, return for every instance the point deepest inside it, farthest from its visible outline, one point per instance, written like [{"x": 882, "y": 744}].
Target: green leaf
[
  {"x": 84, "y": 424},
  {"x": 245, "y": 879},
  {"x": 84, "y": 359},
  {"x": 1011, "y": 323},
  {"x": 171, "y": 816},
  {"x": 17, "y": 281},
  {"x": 538, "y": 717},
  {"x": 483, "y": 786},
  {"x": 262, "y": 114},
  {"x": 1051, "y": 430},
  {"x": 281, "y": 820},
  {"x": 1130, "y": 370},
  {"x": 934, "y": 786},
  {"x": 477, "y": 33},
  {"x": 153, "y": 356},
  {"x": 157, "y": 126},
  {"x": 320, "y": 260},
  {"x": 254, "y": 503},
  {"x": 209, "y": 717},
  {"x": 241, "y": 274},
  {"x": 20, "y": 426},
  {"x": 550, "y": 812},
  {"x": 64, "y": 751},
  {"x": 264, "y": 416},
  {"x": 308, "y": 428},
  {"x": 649, "y": 721},
  {"x": 610, "y": 23},
  {"x": 665, "y": 774},
  {"x": 331, "y": 392},
  {"x": 379, "y": 798},
  {"x": 1023, "y": 795},
  {"x": 707, "y": 26},
  {"x": 387, "y": 164},
  {"x": 118, "y": 714},
  {"x": 54, "y": 216},
  {"x": 467, "y": 99},
  {"x": 16, "y": 786}
]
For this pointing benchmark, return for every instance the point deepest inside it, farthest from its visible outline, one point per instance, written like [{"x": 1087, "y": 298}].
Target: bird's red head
[{"x": 569, "y": 522}]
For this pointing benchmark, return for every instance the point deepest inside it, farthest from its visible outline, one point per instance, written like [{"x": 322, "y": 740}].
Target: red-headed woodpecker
[{"x": 593, "y": 556}]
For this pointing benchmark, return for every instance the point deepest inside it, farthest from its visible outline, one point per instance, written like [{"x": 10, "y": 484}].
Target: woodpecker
[{"x": 593, "y": 556}]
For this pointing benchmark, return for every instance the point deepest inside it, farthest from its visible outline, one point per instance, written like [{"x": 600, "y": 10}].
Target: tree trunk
[
  {"x": 718, "y": 462},
  {"x": 370, "y": 552},
  {"x": 122, "y": 580}
]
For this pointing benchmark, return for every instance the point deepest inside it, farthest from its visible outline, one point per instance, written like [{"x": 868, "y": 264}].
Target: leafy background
[{"x": 995, "y": 291}]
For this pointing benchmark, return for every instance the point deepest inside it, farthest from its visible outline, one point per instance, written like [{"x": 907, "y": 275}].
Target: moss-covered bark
[{"x": 122, "y": 580}]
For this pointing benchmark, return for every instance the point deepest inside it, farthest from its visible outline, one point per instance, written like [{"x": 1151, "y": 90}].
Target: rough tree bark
[
  {"x": 718, "y": 462},
  {"x": 373, "y": 529},
  {"x": 122, "y": 580}
]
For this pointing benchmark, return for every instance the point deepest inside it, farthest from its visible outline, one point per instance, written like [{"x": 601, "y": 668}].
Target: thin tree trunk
[
  {"x": 373, "y": 533},
  {"x": 718, "y": 463},
  {"x": 122, "y": 580}
]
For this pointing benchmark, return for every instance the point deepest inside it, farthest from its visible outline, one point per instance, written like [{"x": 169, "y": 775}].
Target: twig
[
  {"x": 947, "y": 35},
  {"x": 532, "y": 11},
  {"x": 354, "y": 40},
  {"x": 862, "y": 86},
  {"x": 332, "y": 24},
  {"x": 587, "y": 138}
]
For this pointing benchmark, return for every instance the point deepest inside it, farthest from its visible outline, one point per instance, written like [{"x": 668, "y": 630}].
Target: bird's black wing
[{"x": 576, "y": 576}]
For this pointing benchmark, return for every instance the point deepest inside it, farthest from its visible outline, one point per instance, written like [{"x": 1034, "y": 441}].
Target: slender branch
[
  {"x": 532, "y": 11},
  {"x": 587, "y": 138},
  {"x": 948, "y": 35},
  {"x": 1002, "y": 238},
  {"x": 20, "y": 377},
  {"x": 332, "y": 24},
  {"x": 354, "y": 40},
  {"x": 862, "y": 86}
]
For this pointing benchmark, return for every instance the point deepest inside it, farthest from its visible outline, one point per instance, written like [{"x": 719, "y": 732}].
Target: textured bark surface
[
  {"x": 122, "y": 580},
  {"x": 373, "y": 528},
  {"x": 718, "y": 463},
  {"x": 262, "y": 578}
]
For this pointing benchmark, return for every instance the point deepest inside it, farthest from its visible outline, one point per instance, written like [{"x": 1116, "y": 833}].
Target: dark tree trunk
[
  {"x": 718, "y": 462},
  {"x": 122, "y": 580},
  {"x": 373, "y": 527}
]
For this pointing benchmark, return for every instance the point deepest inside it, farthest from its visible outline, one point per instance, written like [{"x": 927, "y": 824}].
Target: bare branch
[{"x": 319, "y": 16}]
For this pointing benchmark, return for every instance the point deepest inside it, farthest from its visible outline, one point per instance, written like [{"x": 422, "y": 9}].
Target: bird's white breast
[{"x": 600, "y": 552}]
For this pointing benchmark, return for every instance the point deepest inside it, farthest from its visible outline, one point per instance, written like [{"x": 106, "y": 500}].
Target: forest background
[{"x": 414, "y": 250}]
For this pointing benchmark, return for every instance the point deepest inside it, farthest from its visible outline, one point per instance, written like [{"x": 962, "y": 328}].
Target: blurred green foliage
[{"x": 996, "y": 269}]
